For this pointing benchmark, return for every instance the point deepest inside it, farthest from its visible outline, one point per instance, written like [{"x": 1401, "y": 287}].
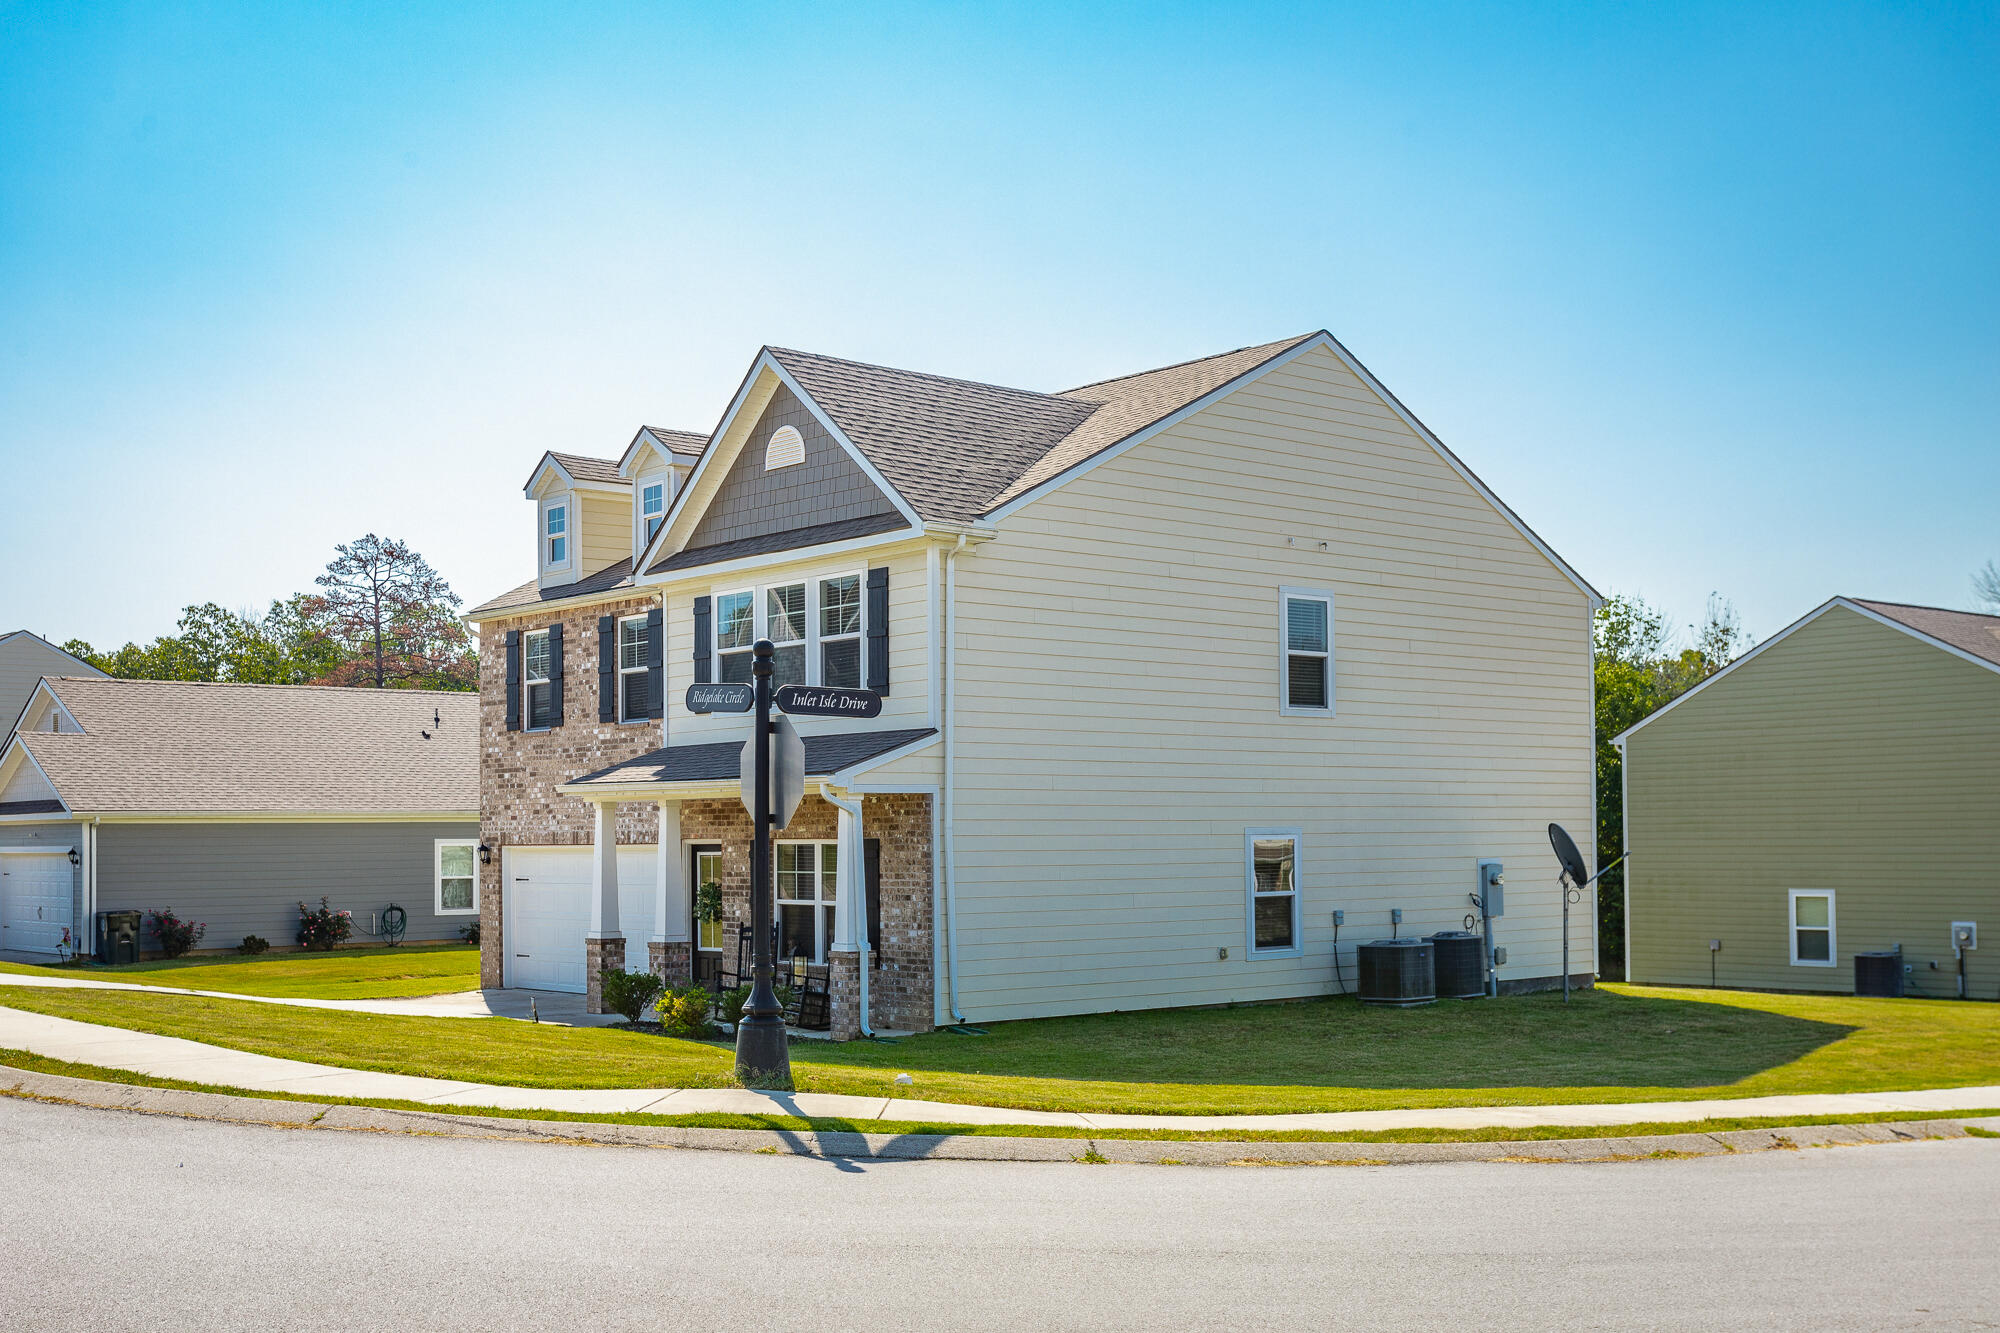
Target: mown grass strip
[{"x": 344, "y": 974}]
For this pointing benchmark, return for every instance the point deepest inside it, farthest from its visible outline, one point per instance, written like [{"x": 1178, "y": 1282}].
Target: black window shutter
[
  {"x": 656, "y": 663},
  {"x": 878, "y": 630},
  {"x": 513, "y": 680},
  {"x": 872, "y": 860},
  {"x": 704, "y": 662},
  {"x": 607, "y": 669},
  {"x": 555, "y": 675}
]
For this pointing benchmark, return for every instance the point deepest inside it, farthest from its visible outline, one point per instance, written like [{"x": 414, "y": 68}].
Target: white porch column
[
  {"x": 850, "y": 881},
  {"x": 604, "y": 873},
  {"x": 672, "y": 909}
]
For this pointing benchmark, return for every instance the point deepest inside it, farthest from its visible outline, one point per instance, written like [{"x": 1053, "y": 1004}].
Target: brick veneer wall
[
  {"x": 520, "y": 770},
  {"x": 901, "y": 989}
]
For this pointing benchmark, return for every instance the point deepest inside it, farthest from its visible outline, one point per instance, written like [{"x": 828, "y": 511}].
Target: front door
[{"x": 705, "y": 867}]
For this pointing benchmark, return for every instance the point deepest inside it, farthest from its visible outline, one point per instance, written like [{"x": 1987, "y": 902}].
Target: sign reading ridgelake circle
[
  {"x": 727, "y": 697},
  {"x": 827, "y": 701}
]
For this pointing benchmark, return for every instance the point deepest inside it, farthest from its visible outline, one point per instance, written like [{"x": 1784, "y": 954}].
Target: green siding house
[{"x": 1835, "y": 791}]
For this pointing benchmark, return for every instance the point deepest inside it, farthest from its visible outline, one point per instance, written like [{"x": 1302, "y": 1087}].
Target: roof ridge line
[
  {"x": 920, "y": 374},
  {"x": 263, "y": 685},
  {"x": 1191, "y": 361},
  {"x": 1923, "y": 606}
]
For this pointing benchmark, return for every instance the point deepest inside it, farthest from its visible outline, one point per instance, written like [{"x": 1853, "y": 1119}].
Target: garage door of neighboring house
[
  {"x": 545, "y": 903},
  {"x": 35, "y": 889}
]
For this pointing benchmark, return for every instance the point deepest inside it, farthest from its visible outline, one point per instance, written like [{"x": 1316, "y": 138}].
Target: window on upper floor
[
  {"x": 535, "y": 660},
  {"x": 815, "y": 627},
  {"x": 840, "y": 631},
  {"x": 633, "y": 701},
  {"x": 1305, "y": 651},
  {"x": 555, "y": 540},
  {"x": 785, "y": 627},
  {"x": 735, "y": 633},
  {"x": 652, "y": 506}
]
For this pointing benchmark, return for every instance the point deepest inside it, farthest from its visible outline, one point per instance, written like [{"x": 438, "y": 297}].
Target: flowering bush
[
  {"x": 469, "y": 932},
  {"x": 684, "y": 1010},
  {"x": 176, "y": 936},
  {"x": 324, "y": 928}
]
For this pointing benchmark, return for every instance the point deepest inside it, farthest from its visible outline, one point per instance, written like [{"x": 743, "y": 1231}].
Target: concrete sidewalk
[
  {"x": 559, "y": 1007},
  {"x": 196, "y": 1062}
]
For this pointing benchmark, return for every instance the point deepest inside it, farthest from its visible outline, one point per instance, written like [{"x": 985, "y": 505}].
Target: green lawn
[
  {"x": 1618, "y": 1043},
  {"x": 345, "y": 974}
]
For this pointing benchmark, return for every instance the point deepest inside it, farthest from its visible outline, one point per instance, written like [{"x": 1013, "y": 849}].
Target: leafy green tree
[{"x": 1638, "y": 672}]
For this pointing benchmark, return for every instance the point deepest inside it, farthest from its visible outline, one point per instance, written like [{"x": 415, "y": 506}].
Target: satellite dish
[{"x": 1571, "y": 858}]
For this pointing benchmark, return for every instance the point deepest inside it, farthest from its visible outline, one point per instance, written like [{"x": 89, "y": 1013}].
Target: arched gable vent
[{"x": 786, "y": 447}]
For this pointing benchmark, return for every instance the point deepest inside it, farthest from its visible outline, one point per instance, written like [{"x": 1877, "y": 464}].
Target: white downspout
[
  {"x": 950, "y": 754},
  {"x": 855, "y": 858}
]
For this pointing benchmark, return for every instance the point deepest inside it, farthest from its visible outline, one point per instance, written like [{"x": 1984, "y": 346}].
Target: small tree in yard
[{"x": 395, "y": 615}]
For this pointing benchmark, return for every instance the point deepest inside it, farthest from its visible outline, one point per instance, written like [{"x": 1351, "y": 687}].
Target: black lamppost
[{"x": 762, "y": 1059}]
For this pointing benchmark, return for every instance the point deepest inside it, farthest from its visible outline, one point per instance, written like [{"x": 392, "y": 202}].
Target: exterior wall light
[
  {"x": 75, "y": 858},
  {"x": 485, "y": 855}
]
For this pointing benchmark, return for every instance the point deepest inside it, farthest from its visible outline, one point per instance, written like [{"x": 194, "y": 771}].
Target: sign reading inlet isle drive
[
  {"x": 724, "y": 697},
  {"x": 827, "y": 701}
]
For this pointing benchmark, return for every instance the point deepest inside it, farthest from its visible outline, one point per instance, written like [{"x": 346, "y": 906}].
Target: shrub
[
  {"x": 629, "y": 993},
  {"x": 469, "y": 932},
  {"x": 684, "y": 1009},
  {"x": 176, "y": 936},
  {"x": 253, "y": 944},
  {"x": 733, "y": 1001},
  {"x": 325, "y": 928}
]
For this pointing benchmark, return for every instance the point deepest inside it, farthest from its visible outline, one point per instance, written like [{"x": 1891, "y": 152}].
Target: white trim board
[{"x": 1793, "y": 628}]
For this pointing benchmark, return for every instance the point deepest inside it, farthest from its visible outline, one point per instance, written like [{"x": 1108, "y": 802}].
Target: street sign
[
  {"x": 788, "y": 772},
  {"x": 827, "y": 701},
  {"x": 722, "y": 698}
]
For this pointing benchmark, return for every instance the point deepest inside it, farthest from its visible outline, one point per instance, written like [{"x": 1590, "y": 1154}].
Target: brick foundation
[
  {"x": 844, "y": 981},
  {"x": 598, "y": 955},
  {"x": 671, "y": 960}
]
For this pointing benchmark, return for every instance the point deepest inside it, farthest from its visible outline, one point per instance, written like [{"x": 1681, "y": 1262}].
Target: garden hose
[{"x": 394, "y": 921}]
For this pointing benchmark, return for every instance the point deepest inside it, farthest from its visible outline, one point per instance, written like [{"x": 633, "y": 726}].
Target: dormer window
[
  {"x": 785, "y": 448},
  {"x": 557, "y": 539},
  {"x": 653, "y": 506}
]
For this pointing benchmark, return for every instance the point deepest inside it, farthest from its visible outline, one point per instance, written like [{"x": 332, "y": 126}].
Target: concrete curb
[{"x": 296, "y": 1115}]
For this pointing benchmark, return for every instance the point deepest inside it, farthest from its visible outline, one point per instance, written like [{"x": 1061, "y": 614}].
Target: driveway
[{"x": 306, "y": 1230}]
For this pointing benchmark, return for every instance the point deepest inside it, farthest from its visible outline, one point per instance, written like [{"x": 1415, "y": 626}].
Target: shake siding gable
[
  {"x": 827, "y": 487},
  {"x": 1847, "y": 756},
  {"x": 1118, "y": 678}
]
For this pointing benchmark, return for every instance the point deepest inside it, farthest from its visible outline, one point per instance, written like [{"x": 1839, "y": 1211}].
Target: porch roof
[{"x": 720, "y": 762}]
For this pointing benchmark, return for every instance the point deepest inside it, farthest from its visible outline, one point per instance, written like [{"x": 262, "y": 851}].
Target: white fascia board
[
  {"x": 845, "y": 777},
  {"x": 1918, "y": 634},
  {"x": 1375, "y": 386},
  {"x": 644, "y": 439},
  {"x": 550, "y": 463},
  {"x": 696, "y": 574},
  {"x": 672, "y": 521},
  {"x": 18, "y": 753},
  {"x": 620, "y": 594},
  {"x": 840, "y": 437},
  {"x": 1779, "y": 637}
]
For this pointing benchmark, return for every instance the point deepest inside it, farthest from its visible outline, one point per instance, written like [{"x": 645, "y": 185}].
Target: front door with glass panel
[{"x": 705, "y": 867}]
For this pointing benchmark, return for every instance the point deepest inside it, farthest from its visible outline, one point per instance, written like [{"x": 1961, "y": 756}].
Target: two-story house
[{"x": 1174, "y": 667}]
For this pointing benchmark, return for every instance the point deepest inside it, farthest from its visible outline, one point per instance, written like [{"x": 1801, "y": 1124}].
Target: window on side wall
[
  {"x": 1272, "y": 885},
  {"x": 806, "y": 875},
  {"x": 535, "y": 670},
  {"x": 785, "y": 627},
  {"x": 653, "y": 506},
  {"x": 556, "y": 535},
  {"x": 1306, "y": 668},
  {"x": 1812, "y": 928},
  {"x": 735, "y": 634},
  {"x": 840, "y": 631},
  {"x": 456, "y": 881},
  {"x": 633, "y": 703}
]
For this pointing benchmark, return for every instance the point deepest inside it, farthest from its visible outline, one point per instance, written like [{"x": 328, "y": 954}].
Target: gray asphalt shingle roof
[
  {"x": 686, "y": 443},
  {"x": 1965, "y": 630},
  {"x": 165, "y": 746},
  {"x": 531, "y": 594},
  {"x": 720, "y": 761},
  {"x": 591, "y": 469}
]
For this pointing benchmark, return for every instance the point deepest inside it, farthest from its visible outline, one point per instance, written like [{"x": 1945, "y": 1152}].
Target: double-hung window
[
  {"x": 455, "y": 881},
  {"x": 1272, "y": 887},
  {"x": 653, "y": 506},
  {"x": 1306, "y": 633},
  {"x": 541, "y": 698},
  {"x": 632, "y": 677},
  {"x": 806, "y": 875},
  {"x": 556, "y": 525},
  {"x": 1812, "y": 928},
  {"x": 735, "y": 633},
  {"x": 840, "y": 631},
  {"x": 785, "y": 627}
]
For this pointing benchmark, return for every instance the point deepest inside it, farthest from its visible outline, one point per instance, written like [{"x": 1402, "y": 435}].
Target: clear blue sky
[{"x": 1710, "y": 294}]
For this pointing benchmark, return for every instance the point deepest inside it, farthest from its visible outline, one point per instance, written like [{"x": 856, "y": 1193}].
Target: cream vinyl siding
[
  {"x": 602, "y": 530},
  {"x": 1847, "y": 756},
  {"x": 1119, "y": 723},
  {"x": 908, "y": 702}
]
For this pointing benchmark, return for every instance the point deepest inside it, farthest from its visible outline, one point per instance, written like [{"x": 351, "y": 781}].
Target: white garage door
[
  {"x": 546, "y": 908},
  {"x": 35, "y": 904}
]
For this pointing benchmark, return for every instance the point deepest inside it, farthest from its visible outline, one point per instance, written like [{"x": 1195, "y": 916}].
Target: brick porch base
[{"x": 598, "y": 955}]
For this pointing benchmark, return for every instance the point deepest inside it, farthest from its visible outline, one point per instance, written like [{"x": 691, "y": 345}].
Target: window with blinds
[{"x": 1307, "y": 667}]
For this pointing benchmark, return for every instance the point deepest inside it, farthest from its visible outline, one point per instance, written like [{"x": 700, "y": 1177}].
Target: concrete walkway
[
  {"x": 196, "y": 1062},
  {"x": 559, "y": 1007}
]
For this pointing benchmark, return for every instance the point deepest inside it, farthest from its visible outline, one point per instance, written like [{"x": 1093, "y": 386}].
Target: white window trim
[
  {"x": 437, "y": 876},
  {"x": 823, "y": 947},
  {"x": 1285, "y": 597},
  {"x": 618, "y": 647},
  {"x": 528, "y": 682},
  {"x": 815, "y": 614},
  {"x": 641, "y": 537},
  {"x": 761, "y": 611},
  {"x": 1792, "y": 928},
  {"x": 566, "y": 503},
  {"x": 1250, "y": 837},
  {"x": 687, "y": 859}
]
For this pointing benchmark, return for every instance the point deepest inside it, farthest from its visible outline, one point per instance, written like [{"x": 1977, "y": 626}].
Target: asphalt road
[{"x": 110, "y": 1220}]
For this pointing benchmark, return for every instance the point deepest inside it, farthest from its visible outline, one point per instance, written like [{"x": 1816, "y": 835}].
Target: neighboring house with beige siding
[
  {"x": 25, "y": 658},
  {"x": 231, "y": 804},
  {"x": 1173, "y": 667},
  {"x": 1835, "y": 791}
]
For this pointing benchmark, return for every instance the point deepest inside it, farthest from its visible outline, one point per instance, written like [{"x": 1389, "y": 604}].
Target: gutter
[
  {"x": 950, "y": 860},
  {"x": 853, "y": 857}
]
